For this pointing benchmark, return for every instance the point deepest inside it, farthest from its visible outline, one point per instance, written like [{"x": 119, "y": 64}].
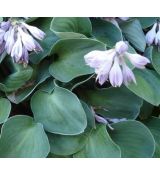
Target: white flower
[
  {"x": 10, "y": 40},
  {"x": 121, "y": 47},
  {"x": 17, "y": 40},
  {"x": 27, "y": 40},
  {"x": 110, "y": 65},
  {"x": 17, "y": 49},
  {"x": 95, "y": 58},
  {"x": 115, "y": 75},
  {"x": 157, "y": 37},
  {"x": 37, "y": 33},
  {"x": 151, "y": 34}
]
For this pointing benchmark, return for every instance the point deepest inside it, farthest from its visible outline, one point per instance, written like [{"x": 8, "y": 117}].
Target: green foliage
[{"x": 49, "y": 108}]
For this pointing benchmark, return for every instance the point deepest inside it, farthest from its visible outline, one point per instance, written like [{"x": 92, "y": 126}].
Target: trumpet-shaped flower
[
  {"x": 37, "y": 33},
  {"x": 151, "y": 35},
  {"x": 111, "y": 64},
  {"x": 17, "y": 38}
]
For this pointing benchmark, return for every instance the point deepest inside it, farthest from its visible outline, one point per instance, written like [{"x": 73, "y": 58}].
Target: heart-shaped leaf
[
  {"x": 113, "y": 102},
  {"x": 64, "y": 114},
  {"x": 99, "y": 145},
  {"x": 69, "y": 61},
  {"x": 67, "y": 145},
  {"x": 22, "y": 137},
  {"x": 134, "y": 139},
  {"x": 71, "y": 27}
]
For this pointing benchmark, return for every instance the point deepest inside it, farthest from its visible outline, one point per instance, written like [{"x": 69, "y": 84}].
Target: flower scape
[{"x": 79, "y": 87}]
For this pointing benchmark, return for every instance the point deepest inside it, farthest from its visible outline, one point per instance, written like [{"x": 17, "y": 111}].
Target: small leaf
[
  {"x": 64, "y": 114},
  {"x": 99, "y": 145},
  {"x": 22, "y": 137},
  {"x": 134, "y": 139},
  {"x": 71, "y": 27},
  {"x": 67, "y": 145},
  {"x": 113, "y": 102},
  {"x": 147, "y": 21}
]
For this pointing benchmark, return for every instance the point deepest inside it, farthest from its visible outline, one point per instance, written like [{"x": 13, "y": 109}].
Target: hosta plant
[{"x": 80, "y": 87}]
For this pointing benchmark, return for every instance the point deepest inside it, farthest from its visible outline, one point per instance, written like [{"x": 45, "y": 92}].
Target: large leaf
[
  {"x": 106, "y": 32},
  {"x": 71, "y": 27},
  {"x": 147, "y": 87},
  {"x": 134, "y": 34},
  {"x": 134, "y": 139},
  {"x": 154, "y": 125},
  {"x": 22, "y": 137},
  {"x": 47, "y": 43},
  {"x": 113, "y": 102},
  {"x": 69, "y": 61},
  {"x": 67, "y": 145},
  {"x": 99, "y": 145},
  {"x": 64, "y": 114},
  {"x": 5, "y": 108},
  {"x": 147, "y": 21}
]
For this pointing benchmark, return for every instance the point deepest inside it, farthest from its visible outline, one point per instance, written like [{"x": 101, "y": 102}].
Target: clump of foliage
[{"x": 51, "y": 104}]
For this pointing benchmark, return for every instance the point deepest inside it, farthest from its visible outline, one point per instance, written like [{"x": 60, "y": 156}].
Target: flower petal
[
  {"x": 115, "y": 75},
  {"x": 36, "y": 32},
  {"x": 137, "y": 60},
  {"x": 121, "y": 47},
  {"x": 17, "y": 49},
  {"x": 27, "y": 40},
  {"x": 128, "y": 75},
  {"x": 10, "y": 40},
  {"x": 95, "y": 58},
  {"x": 151, "y": 34}
]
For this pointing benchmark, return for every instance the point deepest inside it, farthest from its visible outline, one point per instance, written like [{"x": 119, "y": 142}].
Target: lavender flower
[
  {"x": 111, "y": 64},
  {"x": 37, "y": 33},
  {"x": 151, "y": 35},
  {"x": 18, "y": 40}
]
